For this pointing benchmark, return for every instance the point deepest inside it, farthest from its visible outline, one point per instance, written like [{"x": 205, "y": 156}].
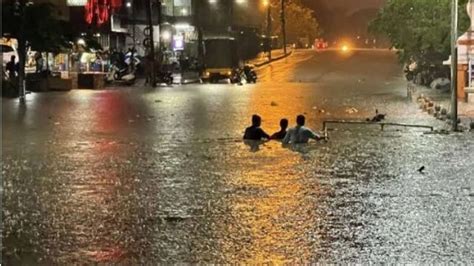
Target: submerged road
[{"x": 142, "y": 176}]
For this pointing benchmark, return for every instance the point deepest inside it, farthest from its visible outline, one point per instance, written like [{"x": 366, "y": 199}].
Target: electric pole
[
  {"x": 283, "y": 25},
  {"x": 151, "y": 54},
  {"x": 20, "y": 12},
  {"x": 132, "y": 56},
  {"x": 231, "y": 15},
  {"x": 454, "y": 64}
]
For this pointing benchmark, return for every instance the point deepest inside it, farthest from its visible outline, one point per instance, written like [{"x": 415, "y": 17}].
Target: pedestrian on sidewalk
[
  {"x": 39, "y": 62},
  {"x": 11, "y": 68},
  {"x": 255, "y": 132},
  {"x": 147, "y": 68},
  {"x": 183, "y": 66},
  {"x": 300, "y": 133}
]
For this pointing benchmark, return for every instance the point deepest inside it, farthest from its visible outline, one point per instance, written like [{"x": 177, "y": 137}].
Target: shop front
[{"x": 179, "y": 46}]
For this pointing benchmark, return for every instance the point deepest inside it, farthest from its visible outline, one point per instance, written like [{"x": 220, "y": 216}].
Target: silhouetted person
[
  {"x": 11, "y": 67},
  {"x": 148, "y": 65},
  {"x": 254, "y": 132},
  {"x": 39, "y": 62},
  {"x": 300, "y": 134},
  {"x": 282, "y": 133}
]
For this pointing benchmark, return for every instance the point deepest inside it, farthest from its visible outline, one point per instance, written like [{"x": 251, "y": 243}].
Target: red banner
[{"x": 99, "y": 10}]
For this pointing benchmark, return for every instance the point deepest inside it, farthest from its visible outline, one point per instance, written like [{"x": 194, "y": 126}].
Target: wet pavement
[{"x": 141, "y": 176}]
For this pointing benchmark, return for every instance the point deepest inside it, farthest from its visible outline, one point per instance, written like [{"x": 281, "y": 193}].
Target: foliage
[
  {"x": 420, "y": 29},
  {"x": 300, "y": 21},
  {"x": 41, "y": 29}
]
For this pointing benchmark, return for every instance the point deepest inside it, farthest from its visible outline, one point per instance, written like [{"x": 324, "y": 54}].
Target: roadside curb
[
  {"x": 435, "y": 108},
  {"x": 273, "y": 60},
  {"x": 197, "y": 81}
]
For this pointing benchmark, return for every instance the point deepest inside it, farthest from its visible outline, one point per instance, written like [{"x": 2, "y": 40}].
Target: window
[{"x": 178, "y": 8}]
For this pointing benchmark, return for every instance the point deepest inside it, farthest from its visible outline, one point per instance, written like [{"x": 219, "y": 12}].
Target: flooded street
[{"x": 139, "y": 176}]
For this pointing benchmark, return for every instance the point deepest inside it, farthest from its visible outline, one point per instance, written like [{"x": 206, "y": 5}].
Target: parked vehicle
[
  {"x": 250, "y": 74},
  {"x": 164, "y": 77},
  {"x": 247, "y": 74},
  {"x": 320, "y": 44},
  {"x": 121, "y": 72},
  {"x": 425, "y": 73},
  {"x": 220, "y": 59},
  {"x": 120, "y": 75}
]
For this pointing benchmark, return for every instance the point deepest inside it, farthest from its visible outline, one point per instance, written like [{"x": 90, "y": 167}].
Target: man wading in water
[
  {"x": 300, "y": 134},
  {"x": 254, "y": 132}
]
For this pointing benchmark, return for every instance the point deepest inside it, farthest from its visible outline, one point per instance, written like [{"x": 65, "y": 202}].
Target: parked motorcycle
[
  {"x": 164, "y": 77},
  {"x": 120, "y": 75},
  {"x": 236, "y": 76},
  {"x": 247, "y": 74},
  {"x": 250, "y": 74}
]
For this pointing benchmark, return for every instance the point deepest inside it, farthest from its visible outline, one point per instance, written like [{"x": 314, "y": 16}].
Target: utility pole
[
  {"x": 132, "y": 56},
  {"x": 231, "y": 15},
  {"x": 152, "y": 44},
  {"x": 283, "y": 25},
  {"x": 269, "y": 29},
  {"x": 20, "y": 12},
  {"x": 454, "y": 64},
  {"x": 198, "y": 6}
]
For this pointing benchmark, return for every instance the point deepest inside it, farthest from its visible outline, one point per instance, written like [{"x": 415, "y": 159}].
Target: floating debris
[{"x": 352, "y": 110}]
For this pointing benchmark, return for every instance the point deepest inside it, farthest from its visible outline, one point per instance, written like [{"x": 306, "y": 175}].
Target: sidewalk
[
  {"x": 442, "y": 98},
  {"x": 262, "y": 58}
]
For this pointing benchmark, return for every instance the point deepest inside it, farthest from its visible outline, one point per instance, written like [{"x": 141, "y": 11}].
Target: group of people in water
[{"x": 296, "y": 135}]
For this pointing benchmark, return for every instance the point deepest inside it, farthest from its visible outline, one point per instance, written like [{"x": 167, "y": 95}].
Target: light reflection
[{"x": 266, "y": 201}]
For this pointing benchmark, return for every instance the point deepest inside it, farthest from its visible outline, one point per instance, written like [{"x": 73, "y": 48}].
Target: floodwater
[{"x": 142, "y": 176}]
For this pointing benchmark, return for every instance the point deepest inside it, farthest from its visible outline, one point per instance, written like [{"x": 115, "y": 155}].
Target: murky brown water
[{"x": 139, "y": 176}]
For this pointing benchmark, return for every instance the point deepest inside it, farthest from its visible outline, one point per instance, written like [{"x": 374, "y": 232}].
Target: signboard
[
  {"x": 116, "y": 24},
  {"x": 178, "y": 42},
  {"x": 76, "y": 2}
]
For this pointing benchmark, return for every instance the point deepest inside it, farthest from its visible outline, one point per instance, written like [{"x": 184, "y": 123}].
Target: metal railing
[{"x": 381, "y": 124}]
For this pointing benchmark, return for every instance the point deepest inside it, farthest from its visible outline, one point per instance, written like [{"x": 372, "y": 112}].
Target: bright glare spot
[
  {"x": 166, "y": 35},
  {"x": 129, "y": 4},
  {"x": 240, "y": 2},
  {"x": 212, "y": 1},
  {"x": 345, "y": 48},
  {"x": 182, "y": 26},
  {"x": 81, "y": 42}
]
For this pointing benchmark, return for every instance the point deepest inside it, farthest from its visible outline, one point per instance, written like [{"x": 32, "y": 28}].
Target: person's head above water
[
  {"x": 256, "y": 120},
  {"x": 300, "y": 120},
  {"x": 284, "y": 123}
]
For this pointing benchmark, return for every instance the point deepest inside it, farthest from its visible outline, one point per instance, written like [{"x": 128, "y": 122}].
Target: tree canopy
[
  {"x": 420, "y": 29},
  {"x": 42, "y": 30},
  {"x": 300, "y": 20}
]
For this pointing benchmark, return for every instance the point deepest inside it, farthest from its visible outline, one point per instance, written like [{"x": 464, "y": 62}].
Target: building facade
[{"x": 179, "y": 26}]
